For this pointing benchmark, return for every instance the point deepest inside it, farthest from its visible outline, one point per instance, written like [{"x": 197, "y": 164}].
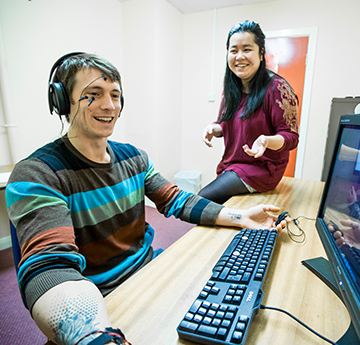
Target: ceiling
[{"x": 190, "y": 6}]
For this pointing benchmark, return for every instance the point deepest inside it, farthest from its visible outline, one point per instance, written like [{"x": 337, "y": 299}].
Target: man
[{"x": 78, "y": 206}]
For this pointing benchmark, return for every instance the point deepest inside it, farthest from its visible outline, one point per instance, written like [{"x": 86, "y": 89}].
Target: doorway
[{"x": 290, "y": 53}]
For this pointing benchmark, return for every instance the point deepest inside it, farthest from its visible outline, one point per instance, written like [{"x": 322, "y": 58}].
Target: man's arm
[
  {"x": 257, "y": 217},
  {"x": 71, "y": 310}
]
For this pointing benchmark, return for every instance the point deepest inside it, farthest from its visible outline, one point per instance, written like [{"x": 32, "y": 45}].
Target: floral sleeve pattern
[{"x": 289, "y": 104}]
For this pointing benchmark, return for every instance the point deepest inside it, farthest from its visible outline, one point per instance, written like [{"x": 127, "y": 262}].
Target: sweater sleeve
[
  {"x": 283, "y": 107},
  {"x": 44, "y": 228},
  {"x": 171, "y": 201}
]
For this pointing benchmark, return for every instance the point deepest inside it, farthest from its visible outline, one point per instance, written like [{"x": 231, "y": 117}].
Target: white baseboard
[{"x": 5, "y": 242}]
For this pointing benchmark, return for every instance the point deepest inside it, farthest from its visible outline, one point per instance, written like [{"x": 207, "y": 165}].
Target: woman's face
[{"x": 244, "y": 56}]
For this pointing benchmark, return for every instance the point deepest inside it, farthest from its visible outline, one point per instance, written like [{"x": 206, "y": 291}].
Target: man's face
[{"x": 95, "y": 105}]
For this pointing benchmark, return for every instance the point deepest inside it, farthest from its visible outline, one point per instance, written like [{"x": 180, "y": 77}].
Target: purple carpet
[{"x": 16, "y": 325}]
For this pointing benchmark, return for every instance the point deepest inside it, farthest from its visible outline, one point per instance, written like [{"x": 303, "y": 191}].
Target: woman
[{"x": 258, "y": 119}]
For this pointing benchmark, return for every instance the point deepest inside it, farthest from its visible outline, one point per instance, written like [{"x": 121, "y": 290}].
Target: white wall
[{"x": 152, "y": 76}]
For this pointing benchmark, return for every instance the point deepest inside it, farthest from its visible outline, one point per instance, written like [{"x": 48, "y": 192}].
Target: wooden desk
[{"x": 149, "y": 306}]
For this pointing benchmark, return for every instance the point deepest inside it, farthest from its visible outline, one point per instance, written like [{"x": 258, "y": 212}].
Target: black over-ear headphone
[{"x": 59, "y": 101}]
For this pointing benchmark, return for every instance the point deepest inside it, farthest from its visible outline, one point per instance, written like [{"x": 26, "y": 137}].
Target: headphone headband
[{"x": 57, "y": 95}]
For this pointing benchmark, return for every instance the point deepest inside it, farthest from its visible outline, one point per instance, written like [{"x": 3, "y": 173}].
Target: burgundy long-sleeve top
[{"x": 279, "y": 115}]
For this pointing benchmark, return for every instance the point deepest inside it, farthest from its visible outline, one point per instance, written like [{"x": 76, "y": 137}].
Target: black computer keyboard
[{"x": 222, "y": 312}]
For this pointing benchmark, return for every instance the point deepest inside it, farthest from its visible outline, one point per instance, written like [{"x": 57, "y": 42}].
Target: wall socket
[{"x": 211, "y": 97}]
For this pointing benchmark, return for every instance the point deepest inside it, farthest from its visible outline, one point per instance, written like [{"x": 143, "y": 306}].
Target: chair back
[{"x": 15, "y": 246}]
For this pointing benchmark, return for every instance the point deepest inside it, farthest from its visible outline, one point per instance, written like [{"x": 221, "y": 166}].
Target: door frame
[
  {"x": 5, "y": 106},
  {"x": 310, "y": 32}
]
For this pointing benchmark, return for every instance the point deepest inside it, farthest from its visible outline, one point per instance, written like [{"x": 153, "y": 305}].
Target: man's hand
[{"x": 257, "y": 217}]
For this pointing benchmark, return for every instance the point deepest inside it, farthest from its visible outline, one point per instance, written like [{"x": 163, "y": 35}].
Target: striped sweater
[{"x": 76, "y": 218}]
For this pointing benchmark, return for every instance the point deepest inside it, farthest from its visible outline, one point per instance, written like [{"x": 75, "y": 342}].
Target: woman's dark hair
[{"x": 233, "y": 87}]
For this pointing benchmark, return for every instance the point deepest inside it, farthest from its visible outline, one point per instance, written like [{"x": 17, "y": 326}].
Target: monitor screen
[{"x": 338, "y": 221}]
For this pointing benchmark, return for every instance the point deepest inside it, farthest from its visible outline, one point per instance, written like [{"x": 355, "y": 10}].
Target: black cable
[
  {"x": 299, "y": 321},
  {"x": 302, "y": 233}
]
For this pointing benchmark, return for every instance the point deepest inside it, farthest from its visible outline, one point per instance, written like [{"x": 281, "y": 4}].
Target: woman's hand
[
  {"x": 348, "y": 234},
  {"x": 263, "y": 142},
  {"x": 258, "y": 147},
  {"x": 212, "y": 130}
]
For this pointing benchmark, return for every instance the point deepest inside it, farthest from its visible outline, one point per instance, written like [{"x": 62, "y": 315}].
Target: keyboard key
[
  {"x": 237, "y": 337},
  {"x": 216, "y": 322},
  {"x": 215, "y": 306},
  {"x": 207, "y": 320},
  {"x": 232, "y": 279},
  {"x": 189, "y": 316},
  {"x": 224, "y": 273},
  {"x": 221, "y": 333},
  {"x": 229, "y": 315},
  {"x": 225, "y": 323},
  {"x": 203, "y": 294},
  {"x": 188, "y": 326},
  {"x": 220, "y": 314},
  {"x": 246, "y": 277},
  {"x": 202, "y": 311},
  {"x": 195, "y": 306},
  {"x": 227, "y": 299},
  {"x": 214, "y": 290},
  {"x": 215, "y": 276},
  {"x": 236, "y": 300},
  {"x": 206, "y": 305},
  {"x": 211, "y": 313},
  {"x": 233, "y": 309},
  {"x": 240, "y": 326},
  {"x": 207, "y": 330},
  {"x": 197, "y": 318},
  {"x": 243, "y": 318}
]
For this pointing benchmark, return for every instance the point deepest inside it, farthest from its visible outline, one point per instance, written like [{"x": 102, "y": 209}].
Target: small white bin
[{"x": 189, "y": 181}]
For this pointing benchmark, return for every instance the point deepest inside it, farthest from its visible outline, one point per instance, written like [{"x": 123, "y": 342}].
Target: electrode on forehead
[{"x": 92, "y": 98}]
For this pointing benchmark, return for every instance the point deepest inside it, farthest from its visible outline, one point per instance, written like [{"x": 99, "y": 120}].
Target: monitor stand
[{"x": 321, "y": 268}]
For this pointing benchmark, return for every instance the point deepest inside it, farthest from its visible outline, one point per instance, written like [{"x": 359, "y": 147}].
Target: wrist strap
[{"x": 107, "y": 335}]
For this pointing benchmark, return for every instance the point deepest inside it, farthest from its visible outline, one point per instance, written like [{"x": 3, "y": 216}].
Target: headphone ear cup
[
  {"x": 58, "y": 99},
  {"x": 121, "y": 104},
  {"x": 57, "y": 95}
]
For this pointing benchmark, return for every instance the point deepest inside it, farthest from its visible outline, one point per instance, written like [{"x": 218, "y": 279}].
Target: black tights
[{"x": 224, "y": 187}]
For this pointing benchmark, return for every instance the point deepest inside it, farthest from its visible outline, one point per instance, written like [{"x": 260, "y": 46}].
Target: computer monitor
[{"x": 338, "y": 219}]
